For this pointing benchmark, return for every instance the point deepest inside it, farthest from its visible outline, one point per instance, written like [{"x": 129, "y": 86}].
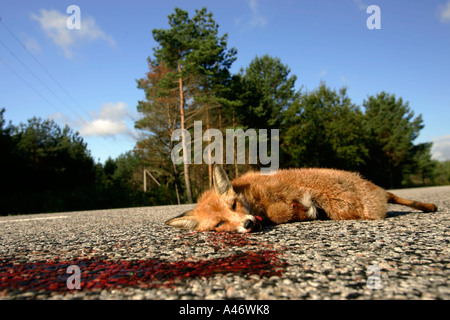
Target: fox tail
[{"x": 425, "y": 207}]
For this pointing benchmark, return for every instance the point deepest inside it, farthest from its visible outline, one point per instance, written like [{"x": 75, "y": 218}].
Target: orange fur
[{"x": 288, "y": 196}]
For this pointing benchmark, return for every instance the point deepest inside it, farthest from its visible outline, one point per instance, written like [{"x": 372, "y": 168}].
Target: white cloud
[
  {"x": 344, "y": 80},
  {"x": 103, "y": 127},
  {"x": 444, "y": 12},
  {"x": 109, "y": 121},
  {"x": 53, "y": 23},
  {"x": 60, "y": 118},
  {"x": 32, "y": 45},
  {"x": 361, "y": 5},
  {"x": 441, "y": 148},
  {"x": 255, "y": 20}
]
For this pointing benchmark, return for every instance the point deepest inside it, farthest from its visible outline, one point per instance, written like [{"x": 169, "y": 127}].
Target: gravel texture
[{"x": 131, "y": 254}]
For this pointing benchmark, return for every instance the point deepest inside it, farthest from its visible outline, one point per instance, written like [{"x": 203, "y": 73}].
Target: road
[{"x": 131, "y": 254}]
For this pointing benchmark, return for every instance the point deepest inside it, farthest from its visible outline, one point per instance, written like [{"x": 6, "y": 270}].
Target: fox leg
[
  {"x": 281, "y": 212},
  {"x": 425, "y": 207},
  {"x": 295, "y": 210}
]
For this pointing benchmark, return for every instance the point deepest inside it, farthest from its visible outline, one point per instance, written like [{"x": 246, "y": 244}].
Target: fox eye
[
  {"x": 220, "y": 223},
  {"x": 233, "y": 206}
]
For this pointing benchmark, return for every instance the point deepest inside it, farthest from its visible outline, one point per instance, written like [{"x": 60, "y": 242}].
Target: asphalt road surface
[{"x": 131, "y": 254}]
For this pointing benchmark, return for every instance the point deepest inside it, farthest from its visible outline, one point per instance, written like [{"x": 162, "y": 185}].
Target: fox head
[{"x": 220, "y": 209}]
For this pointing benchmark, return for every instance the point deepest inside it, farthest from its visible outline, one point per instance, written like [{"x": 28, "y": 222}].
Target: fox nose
[{"x": 249, "y": 224}]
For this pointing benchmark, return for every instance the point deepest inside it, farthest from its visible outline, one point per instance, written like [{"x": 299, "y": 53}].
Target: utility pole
[{"x": 146, "y": 172}]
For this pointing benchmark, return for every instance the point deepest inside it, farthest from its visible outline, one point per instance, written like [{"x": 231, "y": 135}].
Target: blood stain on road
[{"x": 110, "y": 274}]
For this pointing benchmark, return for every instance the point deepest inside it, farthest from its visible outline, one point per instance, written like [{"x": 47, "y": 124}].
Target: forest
[{"x": 49, "y": 168}]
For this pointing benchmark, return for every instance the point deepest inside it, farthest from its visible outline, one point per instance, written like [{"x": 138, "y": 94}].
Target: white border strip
[{"x": 33, "y": 219}]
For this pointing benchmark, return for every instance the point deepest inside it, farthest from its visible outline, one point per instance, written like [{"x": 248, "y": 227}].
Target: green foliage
[
  {"x": 44, "y": 146},
  {"x": 188, "y": 80},
  {"x": 323, "y": 129},
  {"x": 267, "y": 89},
  {"x": 441, "y": 172},
  {"x": 419, "y": 169},
  {"x": 391, "y": 128},
  {"x": 49, "y": 168},
  {"x": 193, "y": 44}
]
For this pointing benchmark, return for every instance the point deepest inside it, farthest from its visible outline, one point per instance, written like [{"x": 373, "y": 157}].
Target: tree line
[
  {"x": 189, "y": 79},
  {"x": 48, "y": 168}
]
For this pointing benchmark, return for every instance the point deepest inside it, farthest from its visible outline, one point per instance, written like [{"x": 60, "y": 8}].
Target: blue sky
[{"x": 95, "y": 67}]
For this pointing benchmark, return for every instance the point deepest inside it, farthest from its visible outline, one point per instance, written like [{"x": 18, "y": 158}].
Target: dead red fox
[{"x": 251, "y": 200}]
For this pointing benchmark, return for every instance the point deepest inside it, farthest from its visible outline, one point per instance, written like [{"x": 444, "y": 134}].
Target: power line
[
  {"x": 41, "y": 96},
  {"x": 29, "y": 85},
  {"x": 42, "y": 82},
  {"x": 42, "y": 66},
  {"x": 37, "y": 78}
]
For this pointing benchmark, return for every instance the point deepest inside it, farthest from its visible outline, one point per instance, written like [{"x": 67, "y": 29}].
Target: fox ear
[
  {"x": 221, "y": 182},
  {"x": 184, "y": 221}
]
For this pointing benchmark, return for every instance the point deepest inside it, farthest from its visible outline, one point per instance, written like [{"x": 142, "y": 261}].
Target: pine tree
[
  {"x": 160, "y": 119},
  {"x": 198, "y": 60},
  {"x": 323, "y": 129},
  {"x": 269, "y": 90},
  {"x": 391, "y": 129}
]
